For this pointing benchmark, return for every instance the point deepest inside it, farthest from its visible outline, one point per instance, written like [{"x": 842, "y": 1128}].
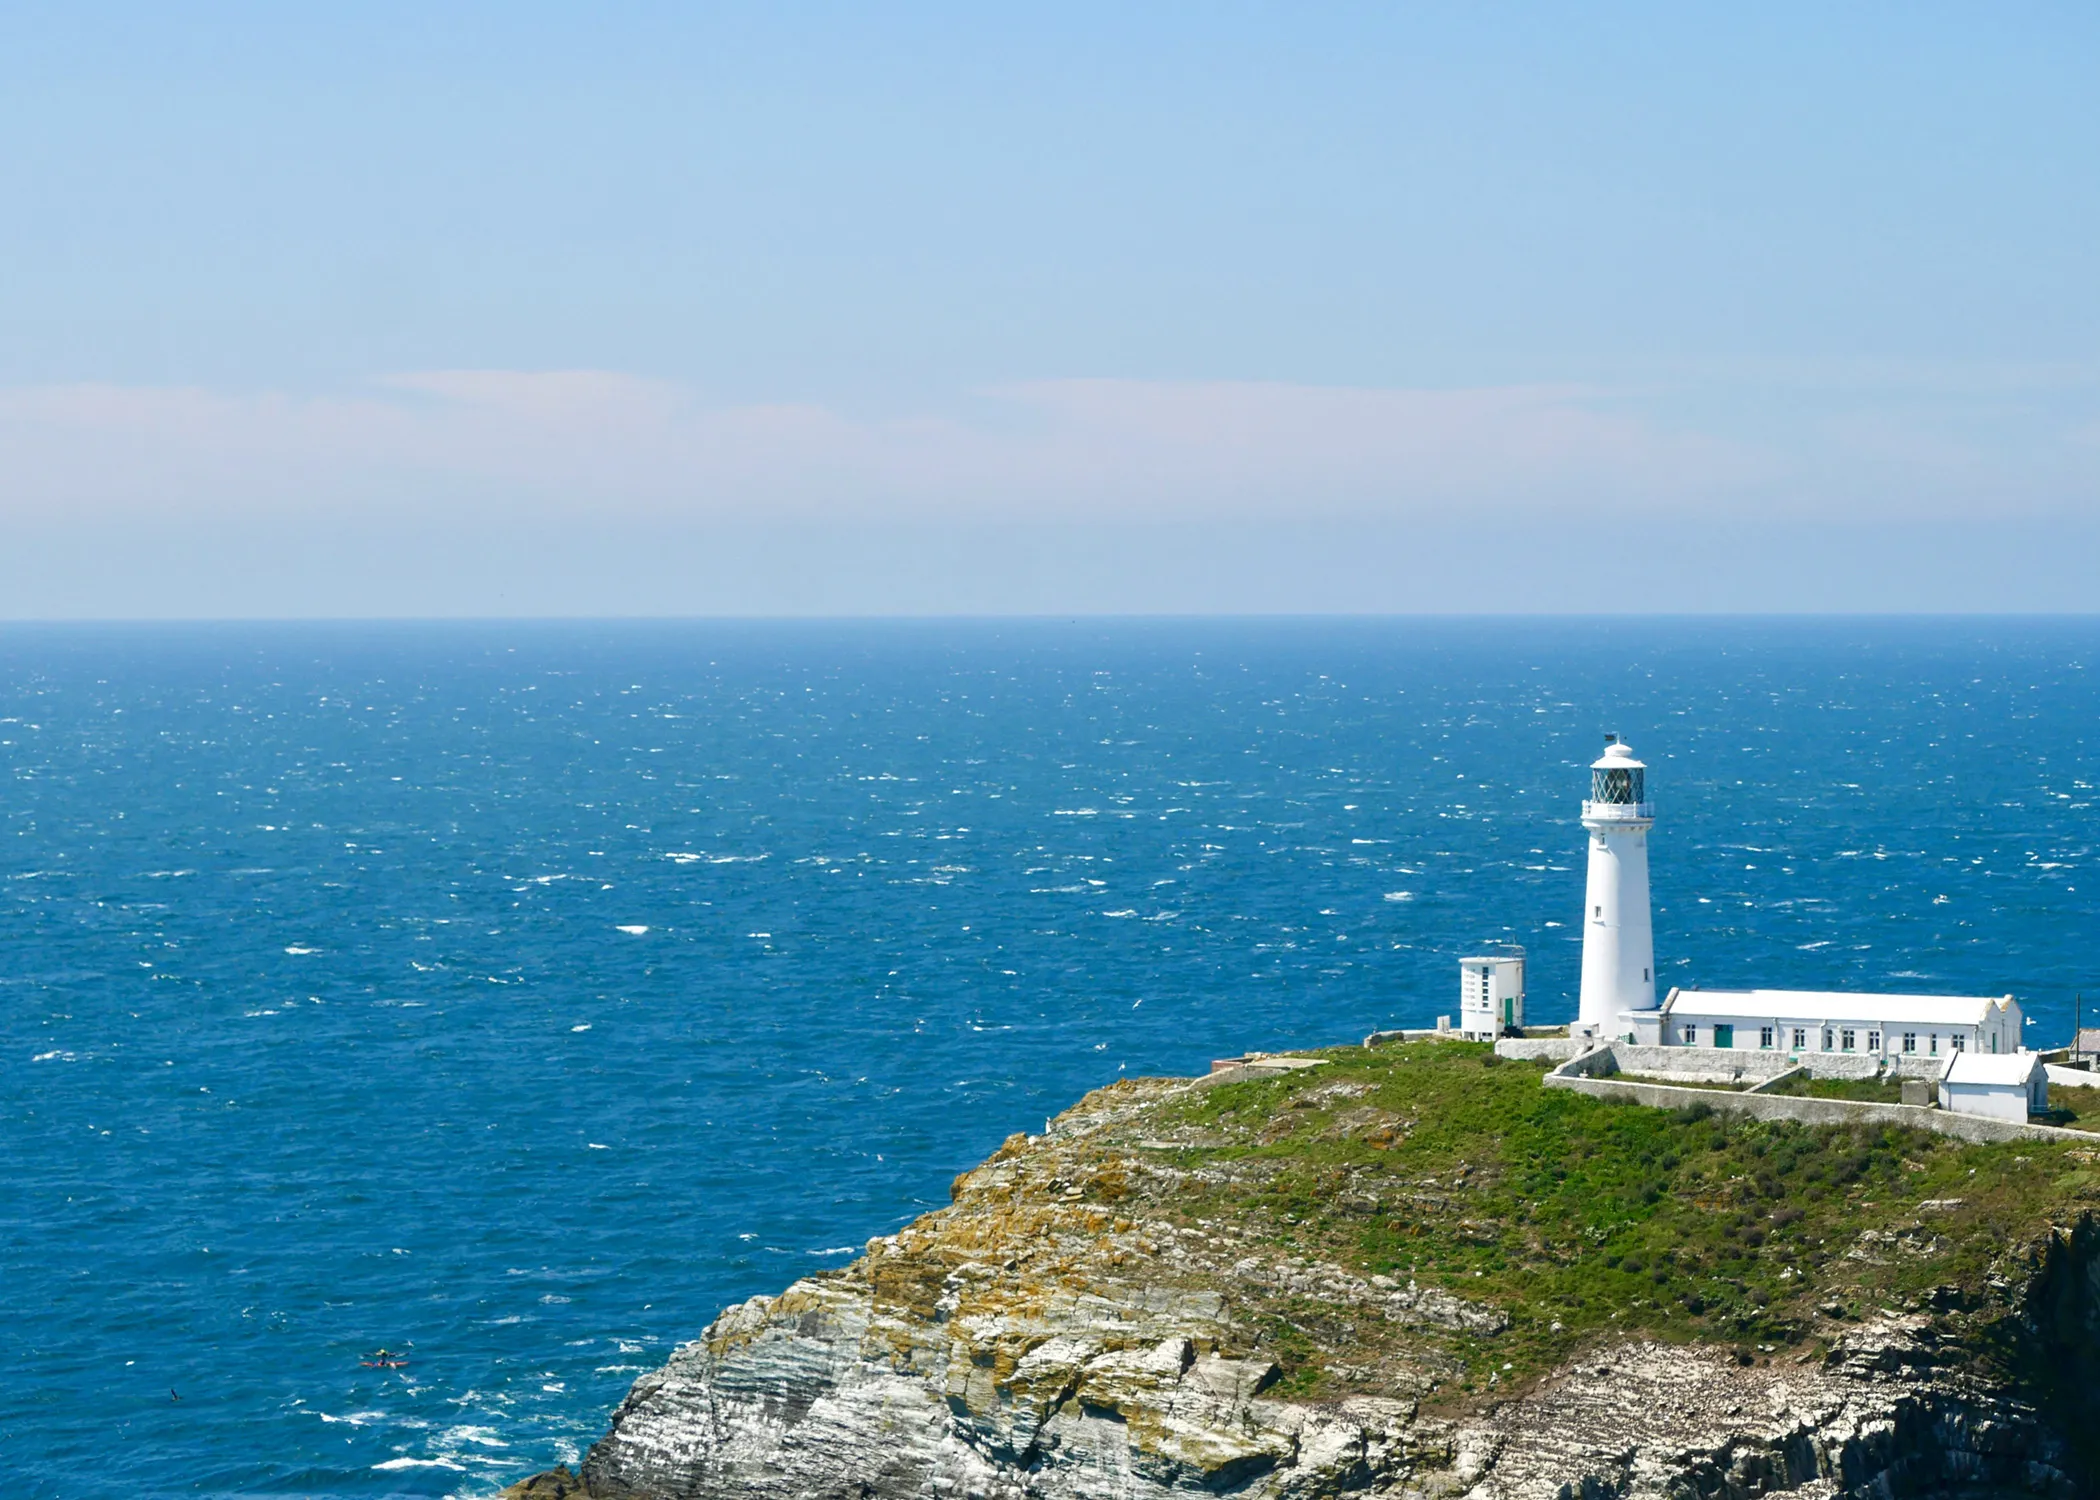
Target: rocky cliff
[{"x": 1413, "y": 1272}]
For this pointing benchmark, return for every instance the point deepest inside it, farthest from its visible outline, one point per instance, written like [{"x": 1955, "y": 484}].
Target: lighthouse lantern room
[{"x": 1618, "y": 939}]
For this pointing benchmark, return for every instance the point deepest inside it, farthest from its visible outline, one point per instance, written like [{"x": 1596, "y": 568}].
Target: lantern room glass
[{"x": 1620, "y": 786}]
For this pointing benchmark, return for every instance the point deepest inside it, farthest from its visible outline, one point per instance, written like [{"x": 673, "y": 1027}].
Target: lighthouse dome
[{"x": 1617, "y": 756}]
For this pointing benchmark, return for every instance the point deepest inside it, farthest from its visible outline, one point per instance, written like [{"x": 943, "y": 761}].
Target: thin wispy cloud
[{"x": 1045, "y": 450}]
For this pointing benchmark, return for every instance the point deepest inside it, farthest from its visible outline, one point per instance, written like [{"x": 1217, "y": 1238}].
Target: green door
[{"x": 1724, "y": 1036}]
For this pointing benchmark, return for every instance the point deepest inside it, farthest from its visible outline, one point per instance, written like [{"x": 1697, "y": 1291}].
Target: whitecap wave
[{"x": 484, "y": 1436}]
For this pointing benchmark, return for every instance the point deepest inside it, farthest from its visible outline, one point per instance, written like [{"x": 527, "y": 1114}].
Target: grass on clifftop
[
  {"x": 1441, "y": 1163},
  {"x": 2077, "y": 1108},
  {"x": 1859, "y": 1090}
]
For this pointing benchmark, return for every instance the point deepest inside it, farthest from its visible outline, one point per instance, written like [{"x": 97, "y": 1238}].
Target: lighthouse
[{"x": 1618, "y": 940}]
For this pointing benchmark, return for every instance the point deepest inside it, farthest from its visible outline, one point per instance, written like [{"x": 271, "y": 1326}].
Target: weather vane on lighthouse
[{"x": 1618, "y": 939}]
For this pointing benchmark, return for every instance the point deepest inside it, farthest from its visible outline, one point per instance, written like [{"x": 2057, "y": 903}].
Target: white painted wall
[
  {"x": 1999, "y": 1101},
  {"x": 1618, "y": 938},
  {"x": 1935, "y": 1041},
  {"x": 1491, "y": 995}
]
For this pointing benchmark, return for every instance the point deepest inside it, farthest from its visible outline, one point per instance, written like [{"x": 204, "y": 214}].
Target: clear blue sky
[{"x": 667, "y": 309}]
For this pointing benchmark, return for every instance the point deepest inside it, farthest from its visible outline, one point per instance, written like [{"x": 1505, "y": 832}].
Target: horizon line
[{"x": 1053, "y": 616}]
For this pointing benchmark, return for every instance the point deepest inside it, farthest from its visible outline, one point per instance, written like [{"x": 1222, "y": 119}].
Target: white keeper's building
[
  {"x": 1799, "y": 1022},
  {"x": 1618, "y": 1001}
]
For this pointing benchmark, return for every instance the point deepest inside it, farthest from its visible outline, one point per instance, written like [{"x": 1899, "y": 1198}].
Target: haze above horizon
[{"x": 539, "y": 310}]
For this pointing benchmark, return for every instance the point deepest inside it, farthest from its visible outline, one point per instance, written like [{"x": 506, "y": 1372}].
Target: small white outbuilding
[
  {"x": 2005, "y": 1087},
  {"x": 1491, "y": 995}
]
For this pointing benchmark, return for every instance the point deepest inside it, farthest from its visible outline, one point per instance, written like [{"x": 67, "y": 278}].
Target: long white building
[{"x": 1798, "y": 1022}]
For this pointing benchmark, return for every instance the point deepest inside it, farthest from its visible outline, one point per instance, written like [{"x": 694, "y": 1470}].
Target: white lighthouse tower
[{"x": 1618, "y": 940}]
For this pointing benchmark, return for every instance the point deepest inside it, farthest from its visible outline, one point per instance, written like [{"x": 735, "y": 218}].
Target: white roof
[
  {"x": 2006, "y": 1069},
  {"x": 1618, "y": 756},
  {"x": 1836, "y": 1005}
]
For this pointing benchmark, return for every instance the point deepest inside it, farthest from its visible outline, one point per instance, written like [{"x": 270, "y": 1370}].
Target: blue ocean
[{"x": 516, "y": 996}]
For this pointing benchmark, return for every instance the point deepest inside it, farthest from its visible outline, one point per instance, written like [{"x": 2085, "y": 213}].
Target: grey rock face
[{"x": 810, "y": 1395}]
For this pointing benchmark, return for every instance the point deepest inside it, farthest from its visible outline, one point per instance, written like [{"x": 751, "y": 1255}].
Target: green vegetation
[
  {"x": 1671, "y": 1081},
  {"x": 2077, "y": 1108},
  {"x": 1441, "y": 1164},
  {"x": 1863, "y": 1090}
]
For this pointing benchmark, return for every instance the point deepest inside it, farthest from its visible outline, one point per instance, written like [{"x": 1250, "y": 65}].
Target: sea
[{"x": 515, "y": 996}]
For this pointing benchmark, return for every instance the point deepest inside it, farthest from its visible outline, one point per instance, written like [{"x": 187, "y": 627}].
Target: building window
[
  {"x": 1827, "y": 1040},
  {"x": 1934, "y": 1040},
  {"x": 1800, "y": 1038},
  {"x": 1691, "y": 1036},
  {"x": 1910, "y": 1041},
  {"x": 1954, "y": 1042},
  {"x": 1873, "y": 1041},
  {"x": 1764, "y": 1037},
  {"x": 1847, "y": 1037}
]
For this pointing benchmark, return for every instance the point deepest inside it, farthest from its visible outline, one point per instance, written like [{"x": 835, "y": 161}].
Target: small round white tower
[{"x": 1618, "y": 939}]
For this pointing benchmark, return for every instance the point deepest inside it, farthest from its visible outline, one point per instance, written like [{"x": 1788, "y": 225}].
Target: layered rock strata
[{"x": 1055, "y": 1333}]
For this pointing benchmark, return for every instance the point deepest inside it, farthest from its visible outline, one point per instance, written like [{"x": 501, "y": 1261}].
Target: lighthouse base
[{"x": 1640, "y": 1028}]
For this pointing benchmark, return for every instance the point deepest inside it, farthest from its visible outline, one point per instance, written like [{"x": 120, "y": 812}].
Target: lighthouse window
[{"x": 1619, "y": 786}]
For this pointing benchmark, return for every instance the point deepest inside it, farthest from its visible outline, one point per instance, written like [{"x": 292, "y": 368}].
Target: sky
[{"x": 522, "y": 309}]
